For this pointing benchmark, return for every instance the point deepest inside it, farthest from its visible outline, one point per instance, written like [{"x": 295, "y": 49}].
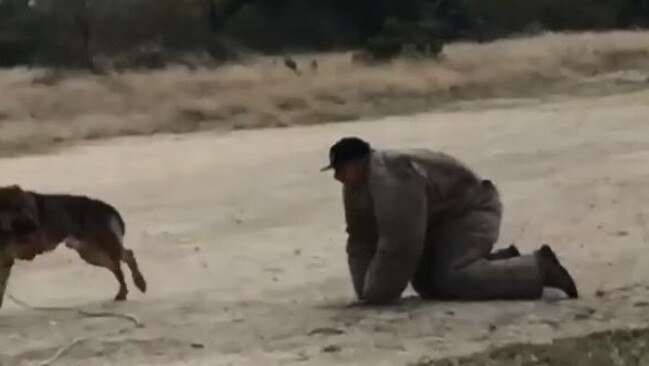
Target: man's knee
[
  {"x": 450, "y": 287},
  {"x": 381, "y": 296},
  {"x": 422, "y": 281}
]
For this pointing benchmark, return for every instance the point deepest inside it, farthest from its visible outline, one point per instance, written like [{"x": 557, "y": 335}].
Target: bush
[
  {"x": 16, "y": 49},
  {"x": 384, "y": 47},
  {"x": 500, "y": 17},
  {"x": 73, "y": 33}
]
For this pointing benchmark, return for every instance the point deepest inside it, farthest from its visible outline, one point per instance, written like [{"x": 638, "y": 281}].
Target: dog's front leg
[{"x": 5, "y": 271}]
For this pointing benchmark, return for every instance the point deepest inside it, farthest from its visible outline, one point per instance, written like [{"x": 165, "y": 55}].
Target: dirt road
[{"x": 241, "y": 240}]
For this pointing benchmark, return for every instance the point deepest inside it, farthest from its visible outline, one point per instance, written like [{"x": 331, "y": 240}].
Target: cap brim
[{"x": 328, "y": 167}]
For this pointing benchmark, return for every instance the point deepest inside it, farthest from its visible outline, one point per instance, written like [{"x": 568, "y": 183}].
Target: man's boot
[{"x": 555, "y": 275}]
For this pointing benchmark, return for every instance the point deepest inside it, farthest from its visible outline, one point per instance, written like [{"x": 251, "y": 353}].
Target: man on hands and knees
[{"x": 423, "y": 217}]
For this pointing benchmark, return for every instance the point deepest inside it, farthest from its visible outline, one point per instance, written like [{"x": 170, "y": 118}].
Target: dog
[{"x": 37, "y": 223}]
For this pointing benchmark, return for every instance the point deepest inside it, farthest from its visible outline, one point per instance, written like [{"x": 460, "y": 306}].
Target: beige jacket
[{"x": 387, "y": 220}]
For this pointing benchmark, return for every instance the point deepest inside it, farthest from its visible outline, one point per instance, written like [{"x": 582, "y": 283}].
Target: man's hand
[
  {"x": 356, "y": 304},
  {"x": 361, "y": 303}
]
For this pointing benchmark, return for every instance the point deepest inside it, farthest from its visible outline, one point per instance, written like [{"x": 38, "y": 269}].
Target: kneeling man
[{"x": 423, "y": 217}]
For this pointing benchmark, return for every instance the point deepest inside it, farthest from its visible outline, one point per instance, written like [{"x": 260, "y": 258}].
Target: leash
[{"x": 136, "y": 323}]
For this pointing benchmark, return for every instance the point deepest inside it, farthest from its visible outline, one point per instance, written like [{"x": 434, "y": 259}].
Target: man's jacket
[{"x": 388, "y": 219}]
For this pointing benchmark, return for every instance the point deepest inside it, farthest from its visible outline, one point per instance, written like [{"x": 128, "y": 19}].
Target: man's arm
[
  {"x": 359, "y": 256},
  {"x": 400, "y": 209},
  {"x": 361, "y": 239}
]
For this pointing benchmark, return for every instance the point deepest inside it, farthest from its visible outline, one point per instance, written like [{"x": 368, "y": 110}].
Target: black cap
[{"x": 347, "y": 149}]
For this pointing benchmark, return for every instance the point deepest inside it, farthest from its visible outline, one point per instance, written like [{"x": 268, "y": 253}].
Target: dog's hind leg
[
  {"x": 129, "y": 258},
  {"x": 103, "y": 252},
  {"x": 127, "y": 255},
  {"x": 112, "y": 246},
  {"x": 123, "y": 290},
  {"x": 5, "y": 272}
]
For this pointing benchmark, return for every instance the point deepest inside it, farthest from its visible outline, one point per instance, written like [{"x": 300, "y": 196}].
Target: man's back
[{"x": 450, "y": 185}]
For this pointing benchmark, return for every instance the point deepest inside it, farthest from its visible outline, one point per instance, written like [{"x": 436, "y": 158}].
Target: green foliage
[
  {"x": 73, "y": 33},
  {"x": 384, "y": 47},
  {"x": 396, "y": 35},
  {"x": 634, "y": 12}
]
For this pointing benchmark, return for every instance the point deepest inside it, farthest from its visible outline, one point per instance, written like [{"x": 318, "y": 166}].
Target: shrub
[{"x": 73, "y": 33}]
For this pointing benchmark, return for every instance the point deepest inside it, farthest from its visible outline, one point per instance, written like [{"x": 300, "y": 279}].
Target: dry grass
[
  {"x": 38, "y": 110},
  {"x": 624, "y": 347}
]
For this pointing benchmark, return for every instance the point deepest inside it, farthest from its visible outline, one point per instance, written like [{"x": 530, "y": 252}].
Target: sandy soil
[{"x": 241, "y": 240}]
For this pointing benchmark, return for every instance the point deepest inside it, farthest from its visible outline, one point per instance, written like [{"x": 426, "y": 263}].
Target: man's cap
[{"x": 345, "y": 150}]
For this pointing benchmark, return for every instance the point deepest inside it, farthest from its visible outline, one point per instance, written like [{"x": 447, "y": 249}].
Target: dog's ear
[
  {"x": 8, "y": 195},
  {"x": 14, "y": 188},
  {"x": 13, "y": 195},
  {"x": 18, "y": 209},
  {"x": 10, "y": 192}
]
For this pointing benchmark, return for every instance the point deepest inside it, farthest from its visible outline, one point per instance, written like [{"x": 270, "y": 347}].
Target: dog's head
[{"x": 18, "y": 212}]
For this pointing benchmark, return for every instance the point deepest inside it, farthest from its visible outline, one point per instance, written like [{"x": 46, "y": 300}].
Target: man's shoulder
[
  {"x": 418, "y": 163},
  {"x": 398, "y": 164},
  {"x": 399, "y": 157}
]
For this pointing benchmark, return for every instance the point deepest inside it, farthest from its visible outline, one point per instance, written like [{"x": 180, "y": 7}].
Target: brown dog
[{"x": 38, "y": 223}]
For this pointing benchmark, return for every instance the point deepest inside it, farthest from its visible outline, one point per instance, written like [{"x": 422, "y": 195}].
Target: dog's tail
[{"x": 117, "y": 224}]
